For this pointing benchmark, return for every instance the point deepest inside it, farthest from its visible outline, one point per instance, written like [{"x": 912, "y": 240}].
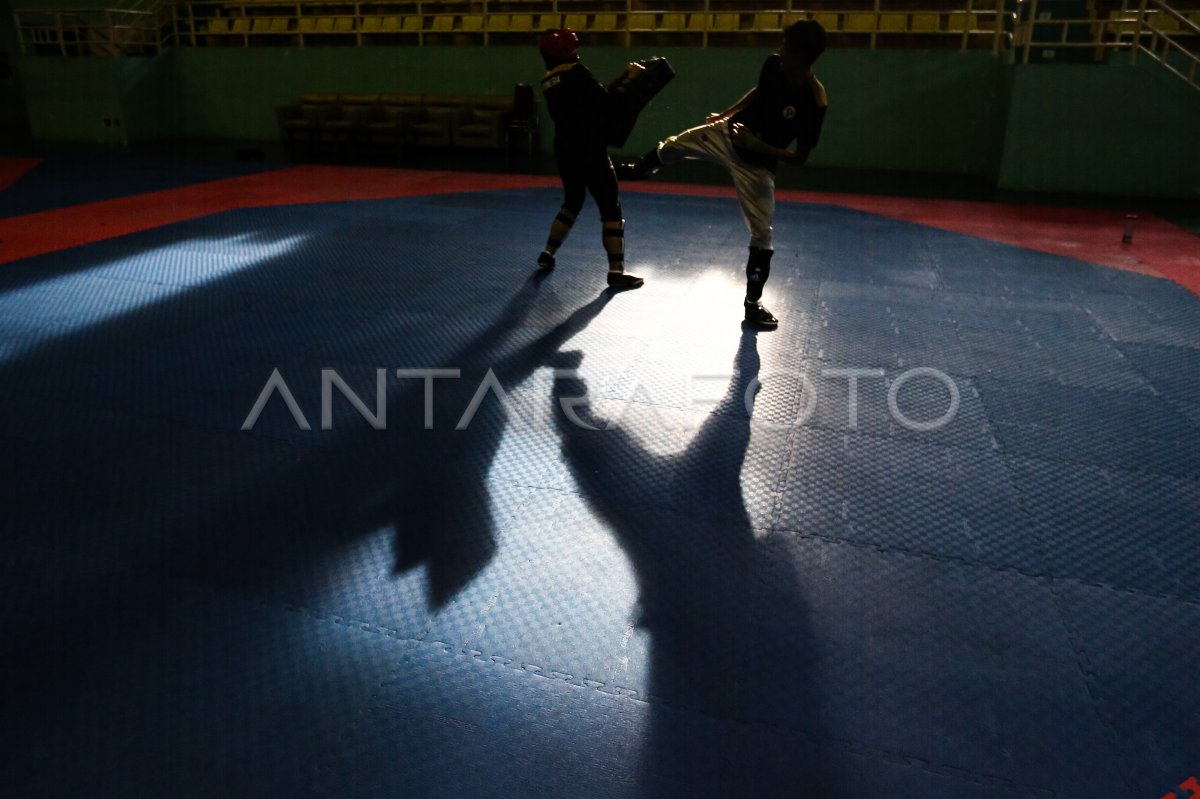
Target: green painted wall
[
  {"x": 1114, "y": 130},
  {"x": 73, "y": 99},
  {"x": 101, "y": 100},
  {"x": 919, "y": 111},
  {"x": 233, "y": 92},
  {"x": 151, "y": 103},
  {"x": 928, "y": 111}
]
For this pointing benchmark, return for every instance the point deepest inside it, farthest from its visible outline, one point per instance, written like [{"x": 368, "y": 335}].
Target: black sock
[{"x": 650, "y": 162}]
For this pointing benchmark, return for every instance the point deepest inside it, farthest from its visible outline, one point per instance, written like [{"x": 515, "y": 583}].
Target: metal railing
[
  {"x": 702, "y": 22},
  {"x": 96, "y": 32},
  {"x": 1173, "y": 40},
  {"x": 145, "y": 24},
  {"x": 1150, "y": 27}
]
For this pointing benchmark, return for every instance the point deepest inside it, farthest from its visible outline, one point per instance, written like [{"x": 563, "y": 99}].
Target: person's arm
[
  {"x": 621, "y": 82},
  {"x": 731, "y": 110},
  {"x": 745, "y": 138},
  {"x": 818, "y": 90}
]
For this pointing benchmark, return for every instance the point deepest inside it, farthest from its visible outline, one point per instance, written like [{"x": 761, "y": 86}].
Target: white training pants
[{"x": 755, "y": 185}]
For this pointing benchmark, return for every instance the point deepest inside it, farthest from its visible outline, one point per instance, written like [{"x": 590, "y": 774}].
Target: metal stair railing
[
  {"x": 1168, "y": 43},
  {"x": 1146, "y": 27},
  {"x": 134, "y": 27}
]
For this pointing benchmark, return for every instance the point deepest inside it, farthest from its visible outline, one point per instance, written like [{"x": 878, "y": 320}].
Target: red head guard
[{"x": 562, "y": 43}]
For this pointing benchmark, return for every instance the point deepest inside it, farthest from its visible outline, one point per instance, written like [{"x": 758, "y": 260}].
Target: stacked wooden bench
[{"x": 384, "y": 122}]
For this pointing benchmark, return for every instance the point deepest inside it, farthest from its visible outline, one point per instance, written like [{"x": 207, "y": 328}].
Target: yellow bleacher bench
[
  {"x": 640, "y": 22},
  {"x": 725, "y": 22},
  {"x": 960, "y": 21},
  {"x": 859, "y": 23},
  {"x": 828, "y": 21},
  {"x": 766, "y": 22},
  {"x": 604, "y": 22},
  {"x": 925, "y": 23},
  {"x": 672, "y": 22}
]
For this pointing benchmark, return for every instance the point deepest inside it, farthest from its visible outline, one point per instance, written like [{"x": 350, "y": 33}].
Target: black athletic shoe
[
  {"x": 760, "y": 317},
  {"x": 623, "y": 280},
  {"x": 628, "y": 170},
  {"x": 545, "y": 261}
]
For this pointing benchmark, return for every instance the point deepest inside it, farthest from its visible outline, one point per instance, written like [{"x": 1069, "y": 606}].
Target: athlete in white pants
[
  {"x": 750, "y": 138},
  {"x": 755, "y": 185}
]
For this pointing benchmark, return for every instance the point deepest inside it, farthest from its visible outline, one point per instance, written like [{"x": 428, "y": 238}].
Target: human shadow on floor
[
  {"x": 438, "y": 503},
  {"x": 243, "y": 511},
  {"x": 425, "y": 477},
  {"x": 731, "y": 677}
]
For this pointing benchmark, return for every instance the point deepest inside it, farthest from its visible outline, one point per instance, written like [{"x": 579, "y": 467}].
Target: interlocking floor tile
[{"x": 710, "y": 594}]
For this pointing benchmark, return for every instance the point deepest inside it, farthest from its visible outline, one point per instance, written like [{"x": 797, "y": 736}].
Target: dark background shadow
[
  {"x": 187, "y": 604},
  {"x": 125, "y": 477},
  {"x": 731, "y": 668},
  {"x": 429, "y": 486}
]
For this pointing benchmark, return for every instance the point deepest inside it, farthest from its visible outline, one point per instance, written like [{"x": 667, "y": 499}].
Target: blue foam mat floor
[{"x": 813, "y": 599}]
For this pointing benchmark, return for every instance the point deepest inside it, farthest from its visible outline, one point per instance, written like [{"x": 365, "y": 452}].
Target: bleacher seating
[
  {"x": 892, "y": 23},
  {"x": 1087, "y": 30},
  {"x": 858, "y": 23}
]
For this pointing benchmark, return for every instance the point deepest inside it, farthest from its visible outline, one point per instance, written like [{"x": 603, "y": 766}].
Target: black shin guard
[
  {"x": 758, "y": 269},
  {"x": 640, "y": 169}
]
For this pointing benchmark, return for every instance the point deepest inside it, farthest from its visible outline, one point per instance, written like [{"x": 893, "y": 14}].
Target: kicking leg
[{"x": 706, "y": 142}]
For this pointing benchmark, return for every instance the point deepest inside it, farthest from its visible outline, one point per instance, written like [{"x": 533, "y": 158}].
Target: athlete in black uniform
[
  {"x": 750, "y": 138},
  {"x": 578, "y": 104}
]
